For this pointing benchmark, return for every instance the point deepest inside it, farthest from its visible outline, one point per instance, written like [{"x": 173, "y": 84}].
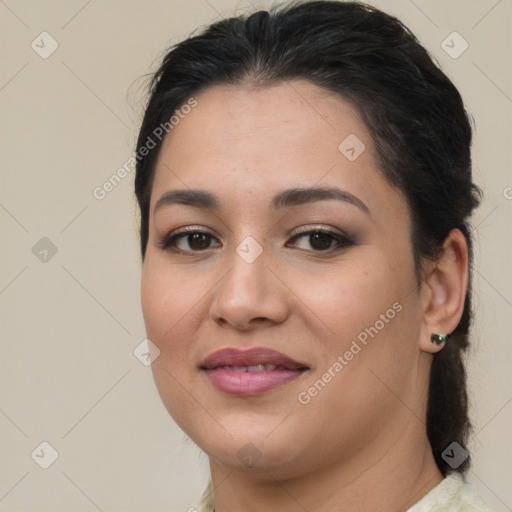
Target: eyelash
[{"x": 168, "y": 242}]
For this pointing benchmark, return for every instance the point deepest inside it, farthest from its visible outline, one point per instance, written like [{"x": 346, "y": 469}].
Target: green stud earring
[{"x": 439, "y": 338}]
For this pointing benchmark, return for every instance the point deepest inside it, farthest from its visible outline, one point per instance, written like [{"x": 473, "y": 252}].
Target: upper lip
[{"x": 251, "y": 357}]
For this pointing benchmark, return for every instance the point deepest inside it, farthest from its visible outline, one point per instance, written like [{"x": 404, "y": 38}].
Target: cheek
[
  {"x": 166, "y": 301},
  {"x": 372, "y": 311},
  {"x": 351, "y": 297}
]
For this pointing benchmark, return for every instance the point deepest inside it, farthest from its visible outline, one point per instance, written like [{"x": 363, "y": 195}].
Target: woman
[{"x": 304, "y": 182}]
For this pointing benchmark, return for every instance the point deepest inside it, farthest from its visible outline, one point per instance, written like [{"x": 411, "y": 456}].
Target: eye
[
  {"x": 321, "y": 240},
  {"x": 187, "y": 240}
]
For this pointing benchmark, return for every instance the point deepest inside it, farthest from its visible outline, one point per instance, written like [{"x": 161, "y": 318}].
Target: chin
[{"x": 259, "y": 445}]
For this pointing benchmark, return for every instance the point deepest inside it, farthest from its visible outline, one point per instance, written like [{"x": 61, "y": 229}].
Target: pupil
[
  {"x": 320, "y": 240},
  {"x": 197, "y": 241}
]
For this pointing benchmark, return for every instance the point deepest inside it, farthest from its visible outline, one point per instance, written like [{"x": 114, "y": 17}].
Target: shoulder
[
  {"x": 206, "y": 503},
  {"x": 453, "y": 494}
]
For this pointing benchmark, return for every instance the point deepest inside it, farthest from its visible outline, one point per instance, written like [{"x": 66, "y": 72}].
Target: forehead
[
  {"x": 241, "y": 139},
  {"x": 230, "y": 118}
]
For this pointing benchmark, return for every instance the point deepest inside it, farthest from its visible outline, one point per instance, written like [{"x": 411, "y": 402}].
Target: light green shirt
[{"x": 452, "y": 494}]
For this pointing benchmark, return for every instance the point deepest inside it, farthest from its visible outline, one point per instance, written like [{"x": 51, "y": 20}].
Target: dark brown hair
[{"x": 414, "y": 113}]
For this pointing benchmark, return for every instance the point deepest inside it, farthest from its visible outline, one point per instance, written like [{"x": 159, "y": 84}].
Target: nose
[{"x": 250, "y": 294}]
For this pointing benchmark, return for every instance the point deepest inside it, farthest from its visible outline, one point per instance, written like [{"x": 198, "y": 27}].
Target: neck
[{"x": 392, "y": 476}]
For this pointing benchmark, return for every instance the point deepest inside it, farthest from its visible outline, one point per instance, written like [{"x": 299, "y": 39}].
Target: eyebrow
[{"x": 286, "y": 198}]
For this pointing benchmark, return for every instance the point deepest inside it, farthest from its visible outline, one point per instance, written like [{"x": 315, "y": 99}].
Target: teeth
[
  {"x": 234, "y": 368},
  {"x": 252, "y": 368},
  {"x": 256, "y": 368}
]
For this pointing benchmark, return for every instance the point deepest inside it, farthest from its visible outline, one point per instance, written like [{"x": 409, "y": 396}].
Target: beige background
[{"x": 69, "y": 324}]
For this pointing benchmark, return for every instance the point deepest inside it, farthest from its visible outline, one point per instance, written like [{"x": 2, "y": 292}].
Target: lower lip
[{"x": 250, "y": 383}]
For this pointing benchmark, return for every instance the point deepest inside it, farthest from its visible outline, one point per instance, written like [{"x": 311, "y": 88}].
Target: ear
[{"x": 443, "y": 290}]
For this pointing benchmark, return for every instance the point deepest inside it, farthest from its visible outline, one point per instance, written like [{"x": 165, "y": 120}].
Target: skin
[{"x": 360, "y": 443}]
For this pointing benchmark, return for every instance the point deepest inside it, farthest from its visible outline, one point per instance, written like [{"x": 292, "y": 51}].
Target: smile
[{"x": 250, "y": 372}]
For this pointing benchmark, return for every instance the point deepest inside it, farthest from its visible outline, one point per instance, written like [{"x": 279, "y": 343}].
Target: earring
[{"x": 439, "y": 338}]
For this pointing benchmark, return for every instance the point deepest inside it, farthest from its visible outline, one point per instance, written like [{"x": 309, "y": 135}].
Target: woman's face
[{"x": 341, "y": 308}]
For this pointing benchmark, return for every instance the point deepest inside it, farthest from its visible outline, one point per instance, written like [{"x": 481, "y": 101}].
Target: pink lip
[{"x": 244, "y": 382}]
